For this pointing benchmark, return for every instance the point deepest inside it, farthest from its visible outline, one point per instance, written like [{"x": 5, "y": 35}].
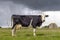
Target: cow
[{"x": 25, "y": 21}]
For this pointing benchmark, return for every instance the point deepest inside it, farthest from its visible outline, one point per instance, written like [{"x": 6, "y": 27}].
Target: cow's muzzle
[{"x": 43, "y": 21}]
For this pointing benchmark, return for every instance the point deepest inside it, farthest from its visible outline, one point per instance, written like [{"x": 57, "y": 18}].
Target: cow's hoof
[
  {"x": 13, "y": 35},
  {"x": 34, "y": 35}
]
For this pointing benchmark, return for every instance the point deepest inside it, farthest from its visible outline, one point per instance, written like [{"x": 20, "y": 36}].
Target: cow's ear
[{"x": 46, "y": 15}]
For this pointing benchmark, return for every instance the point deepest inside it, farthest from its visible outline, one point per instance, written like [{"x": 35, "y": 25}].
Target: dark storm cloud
[{"x": 38, "y": 4}]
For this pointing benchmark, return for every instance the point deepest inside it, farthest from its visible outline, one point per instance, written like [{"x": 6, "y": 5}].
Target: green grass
[{"x": 27, "y": 34}]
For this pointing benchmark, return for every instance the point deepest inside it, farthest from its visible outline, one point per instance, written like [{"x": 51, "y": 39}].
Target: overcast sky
[{"x": 10, "y": 7}]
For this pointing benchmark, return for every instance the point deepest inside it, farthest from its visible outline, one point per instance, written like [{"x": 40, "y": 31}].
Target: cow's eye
[{"x": 46, "y": 15}]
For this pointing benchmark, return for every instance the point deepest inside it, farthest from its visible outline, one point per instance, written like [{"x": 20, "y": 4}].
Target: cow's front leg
[{"x": 34, "y": 31}]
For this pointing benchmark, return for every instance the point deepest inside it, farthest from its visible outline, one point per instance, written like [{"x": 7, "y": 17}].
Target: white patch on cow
[
  {"x": 34, "y": 32},
  {"x": 18, "y": 26},
  {"x": 30, "y": 23},
  {"x": 43, "y": 17}
]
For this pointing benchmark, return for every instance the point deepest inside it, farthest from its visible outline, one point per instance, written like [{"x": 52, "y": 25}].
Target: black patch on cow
[{"x": 25, "y": 20}]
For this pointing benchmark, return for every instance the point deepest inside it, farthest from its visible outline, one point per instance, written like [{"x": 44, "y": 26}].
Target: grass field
[{"x": 27, "y": 34}]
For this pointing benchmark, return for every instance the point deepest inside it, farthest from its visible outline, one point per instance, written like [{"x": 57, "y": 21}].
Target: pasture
[{"x": 27, "y": 34}]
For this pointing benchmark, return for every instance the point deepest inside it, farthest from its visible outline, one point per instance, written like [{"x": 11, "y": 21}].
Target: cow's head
[{"x": 43, "y": 17}]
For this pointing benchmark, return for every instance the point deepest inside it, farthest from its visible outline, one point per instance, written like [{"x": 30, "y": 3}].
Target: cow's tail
[{"x": 11, "y": 21}]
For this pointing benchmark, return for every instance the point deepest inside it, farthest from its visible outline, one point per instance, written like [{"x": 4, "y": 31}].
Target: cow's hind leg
[
  {"x": 34, "y": 31},
  {"x": 13, "y": 30}
]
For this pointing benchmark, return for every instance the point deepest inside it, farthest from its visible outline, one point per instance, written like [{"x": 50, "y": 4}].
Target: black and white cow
[{"x": 25, "y": 20}]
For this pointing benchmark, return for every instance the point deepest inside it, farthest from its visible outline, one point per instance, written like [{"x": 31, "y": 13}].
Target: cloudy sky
[{"x": 10, "y": 7}]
